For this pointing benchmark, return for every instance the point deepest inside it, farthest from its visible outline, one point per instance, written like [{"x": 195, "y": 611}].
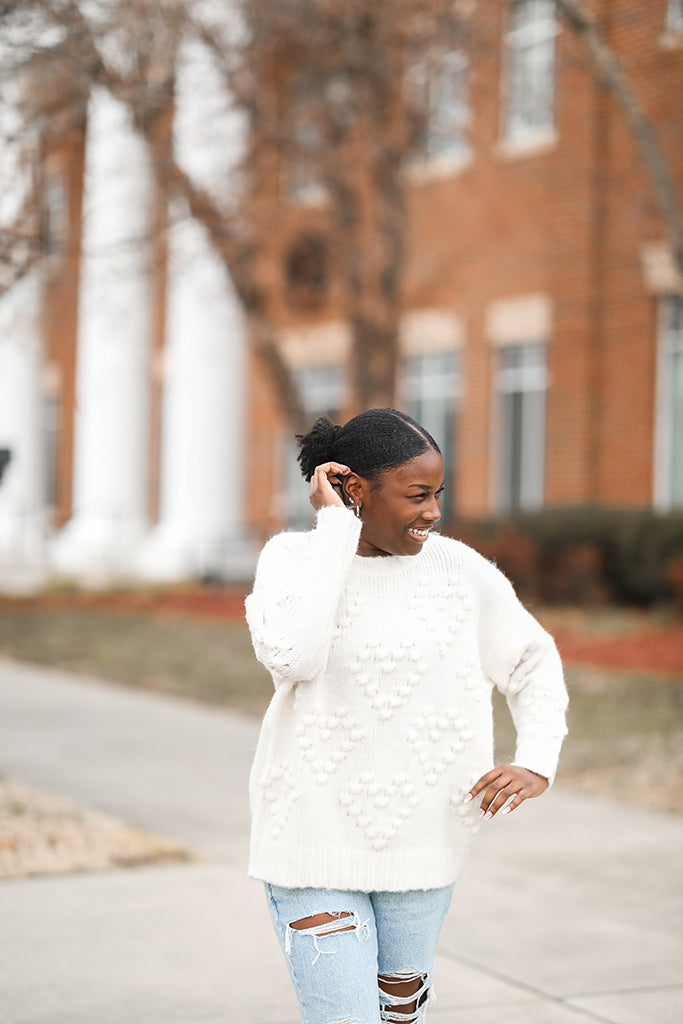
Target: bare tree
[
  {"x": 341, "y": 66},
  {"x": 331, "y": 105},
  {"x": 610, "y": 73},
  {"x": 322, "y": 85}
]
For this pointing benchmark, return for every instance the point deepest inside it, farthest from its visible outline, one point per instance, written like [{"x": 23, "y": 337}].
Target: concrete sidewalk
[{"x": 570, "y": 910}]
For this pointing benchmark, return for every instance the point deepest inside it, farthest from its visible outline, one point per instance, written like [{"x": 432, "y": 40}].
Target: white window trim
[
  {"x": 534, "y": 144},
  {"x": 660, "y": 272},
  {"x": 430, "y": 331},
  {"x": 320, "y": 345},
  {"x": 423, "y": 170},
  {"x": 524, "y": 319}
]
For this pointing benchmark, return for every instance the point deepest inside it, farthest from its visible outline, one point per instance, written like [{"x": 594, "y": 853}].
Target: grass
[
  {"x": 625, "y": 738},
  {"x": 626, "y": 731},
  {"x": 206, "y": 661}
]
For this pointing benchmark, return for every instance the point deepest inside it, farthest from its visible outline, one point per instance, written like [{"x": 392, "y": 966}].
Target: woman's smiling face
[{"x": 399, "y": 513}]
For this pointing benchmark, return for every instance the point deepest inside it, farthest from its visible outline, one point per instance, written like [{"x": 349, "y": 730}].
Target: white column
[
  {"x": 200, "y": 530},
  {"x": 22, "y": 500},
  {"x": 114, "y": 331},
  {"x": 202, "y": 473}
]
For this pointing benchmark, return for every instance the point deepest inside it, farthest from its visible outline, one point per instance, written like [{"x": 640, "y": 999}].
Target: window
[
  {"x": 529, "y": 83},
  {"x": 306, "y": 273},
  {"x": 439, "y": 85},
  {"x": 322, "y": 391},
  {"x": 431, "y": 391},
  {"x": 670, "y": 454},
  {"x": 56, "y": 214},
  {"x": 521, "y": 385},
  {"x": 51, "y": 448},
  {"x": 674, "y": 16},
  {"x": 304, "y": 181}
]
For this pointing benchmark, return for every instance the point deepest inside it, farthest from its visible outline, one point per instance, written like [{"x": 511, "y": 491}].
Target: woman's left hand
[{"x": 503, "y": 784}]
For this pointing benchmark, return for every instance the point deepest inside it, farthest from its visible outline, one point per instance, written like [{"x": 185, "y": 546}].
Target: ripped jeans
[{"x": 366, "y": 958}]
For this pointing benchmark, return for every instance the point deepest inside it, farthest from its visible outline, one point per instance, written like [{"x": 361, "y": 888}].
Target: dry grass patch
[{"x": 45, "y": 834}]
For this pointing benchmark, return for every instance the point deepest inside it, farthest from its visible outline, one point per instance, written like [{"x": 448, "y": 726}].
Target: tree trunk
[{"x": 374, "y": 364}]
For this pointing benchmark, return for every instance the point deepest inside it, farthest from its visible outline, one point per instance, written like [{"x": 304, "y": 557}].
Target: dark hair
[{"x": 369, "y": 443}]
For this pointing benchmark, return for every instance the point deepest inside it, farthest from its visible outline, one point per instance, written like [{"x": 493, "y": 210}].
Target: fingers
[
  {"x": 506, "y": 787},
  {"x": 324, "y": 478},
  {"x": 331, "y": 471}
]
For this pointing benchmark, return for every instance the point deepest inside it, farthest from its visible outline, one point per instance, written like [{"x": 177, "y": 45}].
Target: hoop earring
[{"x": 356, "y": 508}]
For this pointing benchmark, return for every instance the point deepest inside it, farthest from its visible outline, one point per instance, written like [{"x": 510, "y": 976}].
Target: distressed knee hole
[
  {"x": 315, "y": 920},
  {"x": 402, "y": 996},
  {"x": 322, "y": 926}
]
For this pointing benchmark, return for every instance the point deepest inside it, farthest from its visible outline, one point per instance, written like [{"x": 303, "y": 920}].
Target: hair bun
[{"x": 317, "y": 446}]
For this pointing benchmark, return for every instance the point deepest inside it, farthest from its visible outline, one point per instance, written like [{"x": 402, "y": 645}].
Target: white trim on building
[
  {"x": 519, "y": 330},
  {"x": 668, "y": 439}
]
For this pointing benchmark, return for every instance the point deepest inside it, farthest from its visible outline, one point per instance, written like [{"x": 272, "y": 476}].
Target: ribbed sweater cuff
[
  {"x": 539, "y": 755},
  {"x": 340, "y": 524}
]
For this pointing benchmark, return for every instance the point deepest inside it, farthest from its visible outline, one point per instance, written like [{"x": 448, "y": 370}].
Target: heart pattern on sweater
[
  {"x": 280, "y": 794},
  {"x": 388, "y": 672},
  {"x": 379, "y": 807},
  {"x": 437, "y": 739},
  {"x": 326, "y": 740}
]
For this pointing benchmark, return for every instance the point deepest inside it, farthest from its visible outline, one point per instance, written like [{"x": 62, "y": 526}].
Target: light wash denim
[{"x": 335, "y": 972}]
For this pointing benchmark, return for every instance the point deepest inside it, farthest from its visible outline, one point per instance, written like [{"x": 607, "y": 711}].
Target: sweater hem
[{"x": 399, "y": 871}]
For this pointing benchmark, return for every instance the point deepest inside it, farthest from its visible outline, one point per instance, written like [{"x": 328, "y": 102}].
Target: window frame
[
  {"x": 669, "y": 346},
  {"x": 517, "y": 134},
  {"x": 56, "y": 213},
  {"x": 446, "y": 388},
  {"x": 674, "y": 17},
  {"x": 430, "y": 78},
  {"x": 319, "y": 398},
  {"x": 519, "y": 381}
]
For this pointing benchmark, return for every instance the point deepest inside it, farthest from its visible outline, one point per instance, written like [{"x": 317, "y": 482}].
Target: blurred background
[{"x": 219, "y": 221}]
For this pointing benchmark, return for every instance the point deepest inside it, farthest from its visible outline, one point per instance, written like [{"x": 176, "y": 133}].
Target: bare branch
[{"x": 656, "y": 166}]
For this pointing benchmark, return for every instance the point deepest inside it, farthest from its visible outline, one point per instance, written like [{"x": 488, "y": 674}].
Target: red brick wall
[{"x": 568, "y": 222}]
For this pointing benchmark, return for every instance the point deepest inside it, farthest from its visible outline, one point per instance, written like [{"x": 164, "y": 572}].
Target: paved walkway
[{"x": 570, "y": 910}]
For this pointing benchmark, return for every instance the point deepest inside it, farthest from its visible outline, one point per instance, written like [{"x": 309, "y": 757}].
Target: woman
[{"x": 373, "y": 768}]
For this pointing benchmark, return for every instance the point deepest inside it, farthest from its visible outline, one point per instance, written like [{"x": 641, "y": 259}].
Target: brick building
[
  {"x": 541, "y": 335},
  {"x": 543, "y": 330}
]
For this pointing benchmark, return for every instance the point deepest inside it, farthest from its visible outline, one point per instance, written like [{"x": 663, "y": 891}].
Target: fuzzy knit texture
[{"x": 381, "y": 719}]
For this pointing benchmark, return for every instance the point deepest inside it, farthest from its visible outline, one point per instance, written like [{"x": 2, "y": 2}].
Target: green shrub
[{"x": 584, "y": 555}]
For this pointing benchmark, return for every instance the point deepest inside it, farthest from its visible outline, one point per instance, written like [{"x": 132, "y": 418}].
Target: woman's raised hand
[{"x": 323, "y": 482}]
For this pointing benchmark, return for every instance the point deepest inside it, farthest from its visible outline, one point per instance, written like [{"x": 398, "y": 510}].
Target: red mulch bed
[
  {"x": 658, "y": 651},
  {"x": 645, "y": 649},
  {"x": 226, "y": 605}
]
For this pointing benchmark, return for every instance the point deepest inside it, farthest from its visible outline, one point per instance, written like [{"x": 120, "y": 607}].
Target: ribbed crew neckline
[{"x": 387, "y": 565}]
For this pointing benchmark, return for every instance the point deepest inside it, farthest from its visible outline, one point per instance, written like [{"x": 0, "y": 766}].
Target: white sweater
[{"x": 381, "y": 719}]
